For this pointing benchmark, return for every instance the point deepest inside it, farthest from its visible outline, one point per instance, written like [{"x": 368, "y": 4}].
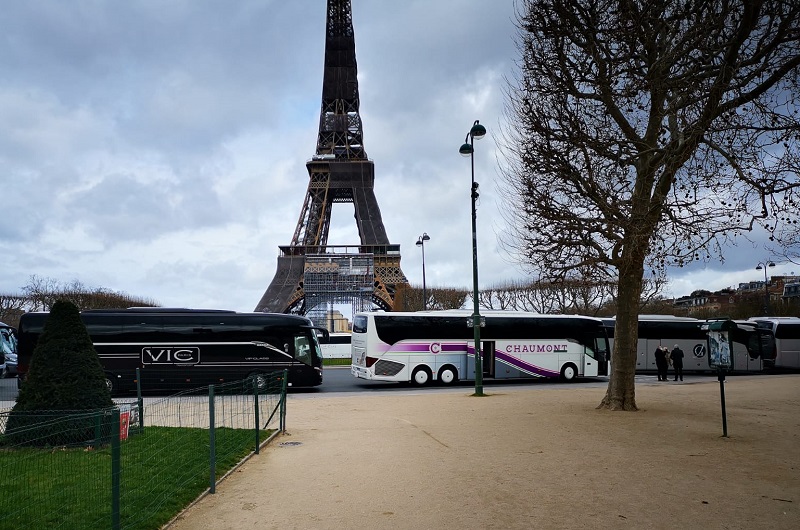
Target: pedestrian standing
[
  {"x": 676, "y": 355},
  {"x": 661, "y": 362}
]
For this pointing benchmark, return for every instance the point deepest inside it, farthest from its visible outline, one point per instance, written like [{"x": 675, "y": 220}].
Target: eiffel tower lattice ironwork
[{"x": 339, "y": 172}]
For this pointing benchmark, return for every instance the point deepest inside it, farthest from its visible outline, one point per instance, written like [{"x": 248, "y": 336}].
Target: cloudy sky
[{"x": 158, "y": 147}]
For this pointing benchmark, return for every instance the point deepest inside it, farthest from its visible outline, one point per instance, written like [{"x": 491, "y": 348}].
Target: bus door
[
  {"x": 487, "y": 359},
  {"x": 602, "y": 355},
  {"x": 766, "y": 347},
  {"x": 487, "y": 356},
  {"x": 646, "y": 359},
  {"x": 753, "y": 350},
  {"x": 740, "y": 358}
]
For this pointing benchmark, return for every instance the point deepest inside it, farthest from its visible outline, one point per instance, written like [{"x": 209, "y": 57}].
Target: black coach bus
[{"x": 187, "y": 348}]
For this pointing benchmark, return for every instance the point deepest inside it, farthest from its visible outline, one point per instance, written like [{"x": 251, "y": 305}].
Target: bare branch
[{"x": 648, "y": 135}]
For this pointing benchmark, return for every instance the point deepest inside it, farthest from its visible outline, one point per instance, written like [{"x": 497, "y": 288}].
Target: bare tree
[
  {"x": 11, "y": 308},
  {"x": 409, "y": 298},
  {"x": 646, "y": 135},
  {"x": 447, "y": 297},
  {"x": 576, "y": 293},
  {"x": 41, "y": 293}
]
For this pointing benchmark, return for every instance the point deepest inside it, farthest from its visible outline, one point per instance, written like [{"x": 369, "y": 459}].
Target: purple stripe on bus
[
  {"x": 518, "y": 363},
  {"x": 426, "y": 347},
  {"x": 413, "y": 347},
  {"x": 522, "y": 365}
]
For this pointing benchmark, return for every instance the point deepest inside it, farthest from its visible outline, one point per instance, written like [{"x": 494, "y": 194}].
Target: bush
[{"x": 65, "y": 377}]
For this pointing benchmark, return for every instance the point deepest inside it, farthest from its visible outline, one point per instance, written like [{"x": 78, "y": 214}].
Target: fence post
[
  {"x": 98, "y": 431},
  {"x": 212, "y": 440},
  {"x": 140, "y": 400},
  {"x": 115, "y": 470},
  {"x": 283, "y": 400},
  {"x": 257, "y": 422}
]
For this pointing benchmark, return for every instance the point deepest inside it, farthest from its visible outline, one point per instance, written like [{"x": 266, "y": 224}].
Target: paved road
[{"x": 337, "y": 380}]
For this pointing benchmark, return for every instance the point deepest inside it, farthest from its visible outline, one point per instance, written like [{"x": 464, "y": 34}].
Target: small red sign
[{"x": 124, "y": 421}]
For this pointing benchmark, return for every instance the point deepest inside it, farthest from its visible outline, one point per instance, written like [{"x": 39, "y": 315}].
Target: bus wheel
[
  {"x": 569, "y": 372},
  {"x": 421, "y": 376},
  {"x": 448, "y": 375},
  {"x": 110, "y": 384},
  {"x": 259, "y": 379}
]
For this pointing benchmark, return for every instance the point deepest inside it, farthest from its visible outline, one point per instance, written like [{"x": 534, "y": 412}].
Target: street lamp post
[
  {"x": 421, "y": 243},
  {"x": 477, "y": 131},
  {"x": 764, "y": 265}
]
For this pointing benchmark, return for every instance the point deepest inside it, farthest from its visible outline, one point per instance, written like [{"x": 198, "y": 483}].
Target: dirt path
[{"x": 525, "y": 458}]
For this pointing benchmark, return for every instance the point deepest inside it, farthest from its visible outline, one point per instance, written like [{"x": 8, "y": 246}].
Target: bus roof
[
  {"x": 468, "y": 313},
  {"x": 776, "y": 319},
  {"x": 160, "y": 313},
  {"x": 157, "y": 310},
  {"x": 669, "y": 318}
]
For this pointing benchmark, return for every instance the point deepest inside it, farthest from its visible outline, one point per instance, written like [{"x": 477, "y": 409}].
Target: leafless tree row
[
  {"x": 41, "y": 293},
  {"x": 408, "y": 298},
  {"x": 576, "y": 295}
]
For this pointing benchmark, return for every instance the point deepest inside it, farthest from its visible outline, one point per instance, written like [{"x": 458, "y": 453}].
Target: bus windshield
[
  {"x": 8, "y": 342},
  {"x": 307, "y": 349}
]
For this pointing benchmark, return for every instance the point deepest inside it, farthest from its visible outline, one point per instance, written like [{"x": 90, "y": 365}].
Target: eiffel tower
[{"x": 339, "y": 172}]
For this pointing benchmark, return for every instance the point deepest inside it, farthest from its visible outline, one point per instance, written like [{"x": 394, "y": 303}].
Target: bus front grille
[{"x": 388, "y": 368}]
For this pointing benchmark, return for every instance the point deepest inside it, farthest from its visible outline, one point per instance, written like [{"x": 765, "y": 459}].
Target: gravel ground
[{"x": 525, "y": 458}]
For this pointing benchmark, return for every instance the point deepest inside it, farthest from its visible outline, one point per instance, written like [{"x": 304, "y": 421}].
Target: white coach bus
[
  {"x": 426, "y": 346},
  {"x": 753, "y": 349},
  {"x": 786, "y": 331},
  {"x": 337, "y": 346}
]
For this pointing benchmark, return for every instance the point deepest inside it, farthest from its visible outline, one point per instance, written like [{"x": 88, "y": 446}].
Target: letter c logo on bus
[
  {"x": 169, "y": 355},
  {"x": 436, "y": 347}
]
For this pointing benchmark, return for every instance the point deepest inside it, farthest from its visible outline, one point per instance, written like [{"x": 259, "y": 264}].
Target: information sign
[{"x": 720, "y": 344}]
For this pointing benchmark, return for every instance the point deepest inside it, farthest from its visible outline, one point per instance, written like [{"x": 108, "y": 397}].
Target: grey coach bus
[{"x": 753, "y": 348}]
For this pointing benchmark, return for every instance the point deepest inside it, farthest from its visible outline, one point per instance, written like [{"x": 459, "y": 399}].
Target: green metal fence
[{"x": 136, "y": 465}]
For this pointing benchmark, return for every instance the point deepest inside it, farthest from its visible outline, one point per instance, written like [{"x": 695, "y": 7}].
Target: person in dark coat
[
  {"x": 676, "y": 356},
  {"x": 661, "y": 362}
]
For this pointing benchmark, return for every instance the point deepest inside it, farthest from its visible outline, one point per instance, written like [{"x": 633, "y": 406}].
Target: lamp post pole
[
  {"x": 467, "y": 149},
  {"x": 421, "y": 243},
  {"x": 763, "y": 265}
]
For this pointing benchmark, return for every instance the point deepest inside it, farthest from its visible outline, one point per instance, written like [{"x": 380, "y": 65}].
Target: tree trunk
[{"x": 621, "y": 393}]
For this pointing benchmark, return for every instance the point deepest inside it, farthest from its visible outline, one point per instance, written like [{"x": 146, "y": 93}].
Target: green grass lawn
[
  {"x": 163, "y": 469},
  {"x": 336, "y": 362}
]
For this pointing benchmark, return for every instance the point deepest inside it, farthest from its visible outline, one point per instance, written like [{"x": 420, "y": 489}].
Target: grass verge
[
  {"x": 336, "y": 362},
  {"x": 161, "y": 471}
]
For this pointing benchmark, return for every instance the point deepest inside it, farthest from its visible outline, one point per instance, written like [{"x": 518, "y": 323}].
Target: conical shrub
[{"x": 65, "y": 380}]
